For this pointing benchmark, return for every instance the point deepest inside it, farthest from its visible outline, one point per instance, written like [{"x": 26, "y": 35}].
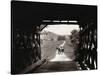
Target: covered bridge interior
[{"x": 27, "y": 18}]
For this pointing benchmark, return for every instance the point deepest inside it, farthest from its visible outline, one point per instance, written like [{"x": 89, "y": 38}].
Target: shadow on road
[{"x": 57, "y": 66}]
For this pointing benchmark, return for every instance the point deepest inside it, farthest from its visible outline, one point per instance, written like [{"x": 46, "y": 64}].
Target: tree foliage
[
  {"x": 75, "y": 38},
  {"x": 61, "y": 38}
]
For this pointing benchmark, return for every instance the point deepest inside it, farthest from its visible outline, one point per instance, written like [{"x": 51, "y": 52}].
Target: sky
[{"x": 61, "y": 29}]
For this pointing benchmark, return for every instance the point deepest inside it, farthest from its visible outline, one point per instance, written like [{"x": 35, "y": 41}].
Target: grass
[
  {"x": 69, "y": 50},
  {"x": 48, "y": 49}
]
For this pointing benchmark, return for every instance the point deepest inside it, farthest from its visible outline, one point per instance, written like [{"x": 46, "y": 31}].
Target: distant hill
[{"x": 47, "y": 35}]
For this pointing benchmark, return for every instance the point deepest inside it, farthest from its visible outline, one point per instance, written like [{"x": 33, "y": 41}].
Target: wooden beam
[
  {"x": 52, "y": 23},
  {"x": 42, "y": 27}
]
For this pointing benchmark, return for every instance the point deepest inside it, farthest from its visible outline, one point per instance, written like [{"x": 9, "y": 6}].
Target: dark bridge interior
[{"x": 27, "y": 18}]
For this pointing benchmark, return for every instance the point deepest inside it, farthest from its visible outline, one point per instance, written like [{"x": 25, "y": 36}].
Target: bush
[
  {"x": 61, "y": 38},
  {"x": 74, "y": 37}
]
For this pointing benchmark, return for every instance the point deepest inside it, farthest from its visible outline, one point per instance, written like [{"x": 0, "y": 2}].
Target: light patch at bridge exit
[
  {"x": 60, "y": 57},
  {"x": 61, "y": 29}
]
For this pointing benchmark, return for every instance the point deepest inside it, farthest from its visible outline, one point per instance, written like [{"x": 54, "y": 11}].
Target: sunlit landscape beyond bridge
[{"x": 55, "y": 61}]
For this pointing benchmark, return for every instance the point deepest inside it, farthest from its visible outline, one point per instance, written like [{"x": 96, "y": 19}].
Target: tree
[
  {"x": 74, "y": 37},
  {"x": 61, "y": 38}
]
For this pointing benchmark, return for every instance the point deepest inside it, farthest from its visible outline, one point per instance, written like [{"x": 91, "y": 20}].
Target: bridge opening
[{"x": 53, "y": 36}]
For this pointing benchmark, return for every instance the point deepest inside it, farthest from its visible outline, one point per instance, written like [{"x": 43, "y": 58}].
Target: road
[
  {"x": 61, "y": 62},
  {"x": 57, "y": 66}
]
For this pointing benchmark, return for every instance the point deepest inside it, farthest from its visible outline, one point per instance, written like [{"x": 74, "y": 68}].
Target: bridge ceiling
[{"x": 32, "y": 13}]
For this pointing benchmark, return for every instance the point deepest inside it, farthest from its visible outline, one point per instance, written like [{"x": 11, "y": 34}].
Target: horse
[{"x": 60, "y": 49}]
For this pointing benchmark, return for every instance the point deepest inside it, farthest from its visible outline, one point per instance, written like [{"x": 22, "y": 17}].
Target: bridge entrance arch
[{"x": 27, "y": 18}]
